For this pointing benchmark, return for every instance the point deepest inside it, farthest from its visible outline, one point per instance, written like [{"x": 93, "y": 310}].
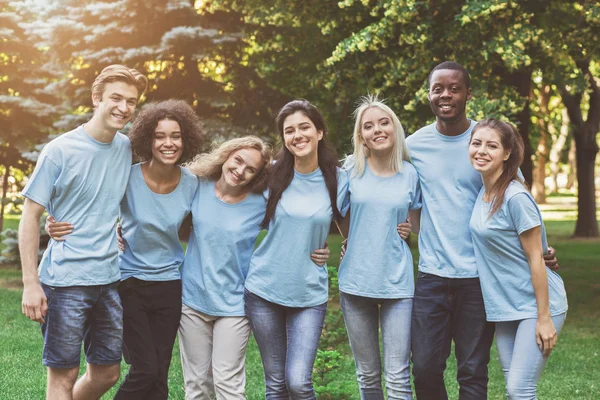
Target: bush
[{"x": 10, "y": 238}]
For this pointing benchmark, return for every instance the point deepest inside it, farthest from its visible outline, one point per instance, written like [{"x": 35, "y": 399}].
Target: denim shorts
[{"x": 89, "y": 314}]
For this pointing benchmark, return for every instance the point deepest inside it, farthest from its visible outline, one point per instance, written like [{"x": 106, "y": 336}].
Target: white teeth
[
  {"x": 379, "y": 139},
  {"x": 168, "y": 153},
  {"x": 300, "y": 145}
]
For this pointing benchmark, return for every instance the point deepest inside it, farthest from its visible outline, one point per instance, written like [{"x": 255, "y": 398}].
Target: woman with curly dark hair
[
  {"x": 286, "y": 292},
  {"x": 158, "y": 197}
]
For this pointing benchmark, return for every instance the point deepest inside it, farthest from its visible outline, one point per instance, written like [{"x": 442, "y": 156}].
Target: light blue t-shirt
[
  {"x": 150, "y": 223},
  {"x": 378, "y": 263},
  {"x": 449, "y": 186},
  {"x": 219, "y": 251},
  {"x": 281, "y": 270},
  {"x": 503, "y": 267},
  {"x": 81, "y": 180}
]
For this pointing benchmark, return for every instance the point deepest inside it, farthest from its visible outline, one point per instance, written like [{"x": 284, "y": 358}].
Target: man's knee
[
  {"x": 62, "y": 379},
  {"x": 105, "y": 375}
]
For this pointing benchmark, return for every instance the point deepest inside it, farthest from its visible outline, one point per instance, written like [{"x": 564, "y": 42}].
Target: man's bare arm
[
  {"x": 415, "y": 220},
  {"x": 34, "y": 304}
]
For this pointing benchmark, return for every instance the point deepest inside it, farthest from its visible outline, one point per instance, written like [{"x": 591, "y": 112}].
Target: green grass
[{"x": 571, "y": 373}]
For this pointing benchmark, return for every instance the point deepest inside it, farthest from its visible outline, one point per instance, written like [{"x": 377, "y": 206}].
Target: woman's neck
[
  {"x": 379, "y": 164},
  {"x": 161, "y": 173},
  {"x": 489, "y": 181},
  {"x": 228, "y": 193},
  {"x": 308, "y": 164}
]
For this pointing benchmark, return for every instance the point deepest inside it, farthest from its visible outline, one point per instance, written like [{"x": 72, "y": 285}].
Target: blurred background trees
[{"x": 535, "y": 63}]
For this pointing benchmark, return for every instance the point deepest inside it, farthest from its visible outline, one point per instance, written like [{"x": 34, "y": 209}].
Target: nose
[
  {"x": 168, "y": 141},
  {"x": 122, "y": 105},
  {"x": 446, "y": 93}
]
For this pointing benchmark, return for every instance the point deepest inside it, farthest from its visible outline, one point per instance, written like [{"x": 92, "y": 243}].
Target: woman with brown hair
[
  {"x": 286, "y": 291},
  {"x": 525, "y": 299}
]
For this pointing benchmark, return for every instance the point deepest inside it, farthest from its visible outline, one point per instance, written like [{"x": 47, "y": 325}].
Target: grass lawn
[{"x": 572, "y": 371}]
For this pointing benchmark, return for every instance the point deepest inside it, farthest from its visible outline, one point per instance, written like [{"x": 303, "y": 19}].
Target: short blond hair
[
  {"x": 209, "y": 165},
  {"x": 119, "y": 73}
]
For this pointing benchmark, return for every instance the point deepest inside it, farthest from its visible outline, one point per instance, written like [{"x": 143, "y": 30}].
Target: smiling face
[
  {"x": 241, "y": 167},
  {"x": 116, "y": 105},
  {"x": 300, "y": 136},
  {"x": 448, "y": 95},
  {"x": 486, "y": 152},
  {"x": 167, "y": 144},
  {"x": 377, "y": 130}
]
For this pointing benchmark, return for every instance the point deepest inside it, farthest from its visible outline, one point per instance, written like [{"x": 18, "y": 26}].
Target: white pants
[{"x": 213, "y": 355}]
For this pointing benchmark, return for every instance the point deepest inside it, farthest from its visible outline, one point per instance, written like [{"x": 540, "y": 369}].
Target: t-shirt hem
[
  {"x": 285, "y": 303},
  {"x": 445, "y": 275},
  {"x": 522, "y": 316},
  {"x": 378, "y": 295},
  {"x": 35, "y": 199},
  {"x": 158, "y": 278},
  {"x": 528, "y": 227},
  {"x": 213, "y": 313},
  {"x": 80, "y": 283}
]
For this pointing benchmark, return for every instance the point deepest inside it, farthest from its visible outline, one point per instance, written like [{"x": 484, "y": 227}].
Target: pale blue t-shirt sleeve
[
  {"x": 523, "y": 213},
  {"x": 40, "y": 186},
  {"x": 417, "y": 199},
  {"x": 343, "y": 195}
]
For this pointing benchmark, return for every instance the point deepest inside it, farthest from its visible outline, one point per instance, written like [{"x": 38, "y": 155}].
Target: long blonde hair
[
  {"x": 399, "y": 150},
  {"x": 210, "y": 165}
]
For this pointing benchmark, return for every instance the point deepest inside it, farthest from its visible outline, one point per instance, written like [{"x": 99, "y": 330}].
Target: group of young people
[{"x": 482, "y": 246}]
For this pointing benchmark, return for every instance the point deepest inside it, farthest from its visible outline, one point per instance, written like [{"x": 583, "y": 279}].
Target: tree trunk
[
  {"x": 584, "y": 133},
  {"x": 541, "y": 155},
  {"x": 587, "y": 148},
  {"x": 555, "y": 152},
  {"x": 572, "y": 176},
  {"x": 4, "y": 193},
  {"x": 521, "y": 80}
]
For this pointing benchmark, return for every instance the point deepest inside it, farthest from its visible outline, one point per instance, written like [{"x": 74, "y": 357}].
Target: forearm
[
  {"x": 539, "y": 280},
  {"x": 415, "y": 220},
  {"x": 29, "y": 242}
]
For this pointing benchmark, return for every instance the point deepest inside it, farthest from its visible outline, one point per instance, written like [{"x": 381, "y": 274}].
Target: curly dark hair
[{"x": 141, "y": 133}]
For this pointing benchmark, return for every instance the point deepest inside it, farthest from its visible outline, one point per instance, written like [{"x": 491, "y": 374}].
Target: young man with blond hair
[{"x": 81, "y": 177}]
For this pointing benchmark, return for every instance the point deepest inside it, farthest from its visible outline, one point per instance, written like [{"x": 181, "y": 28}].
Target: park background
[{"x": 533, "y": 62}]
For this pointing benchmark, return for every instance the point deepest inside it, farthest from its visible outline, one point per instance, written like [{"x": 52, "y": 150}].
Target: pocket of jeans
[
  {"x": 421, "y": 275},
  {"x": 49, "y": 292}
]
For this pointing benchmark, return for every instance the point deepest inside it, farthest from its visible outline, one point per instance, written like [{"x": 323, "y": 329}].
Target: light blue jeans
[
  {"x": 363, "y": 315},
  {"x": 522, "y": 360},
  {"x": 288, "y": 339}
]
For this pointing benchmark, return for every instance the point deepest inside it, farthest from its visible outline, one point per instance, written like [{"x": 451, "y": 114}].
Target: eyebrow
[{"x": 120, "y": 95}]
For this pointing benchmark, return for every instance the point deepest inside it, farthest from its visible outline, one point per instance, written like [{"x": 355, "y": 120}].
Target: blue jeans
[
  {"x": 363, "y": 316},
  {"x": 522, "y": 360},
  {"x": 447, "y": 309},
  {"x": 287, "y": 338},
  {"x": 92, "y": 314}
]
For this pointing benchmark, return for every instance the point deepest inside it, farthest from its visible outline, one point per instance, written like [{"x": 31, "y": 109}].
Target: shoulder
[
  {"x": 121, "y": 138},
  {"x": 515, "y": 188},
  {"x": 342, "y": 175},
  {"x": 425, "y": 131},
  {"x": 61, "y": 143},
  {"x": 409, "y": 168}
]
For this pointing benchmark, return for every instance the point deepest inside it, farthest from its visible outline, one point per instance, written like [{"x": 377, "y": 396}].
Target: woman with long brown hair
[
  {"x": 286, "y": 292},
  {"x": 525, "y": 299}
]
